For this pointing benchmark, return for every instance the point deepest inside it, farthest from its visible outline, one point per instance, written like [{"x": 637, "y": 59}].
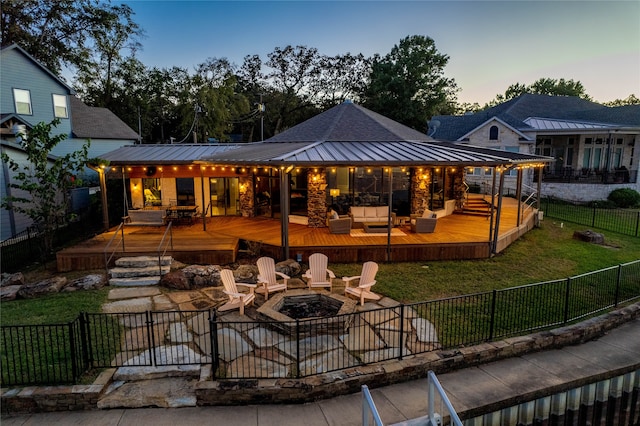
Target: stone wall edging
[
  {"x": 274, "y": 391},
  {"x": 328, "y": 385}
]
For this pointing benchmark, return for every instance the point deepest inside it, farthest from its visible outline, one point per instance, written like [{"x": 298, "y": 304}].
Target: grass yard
[{"x": 543, "y": 254}]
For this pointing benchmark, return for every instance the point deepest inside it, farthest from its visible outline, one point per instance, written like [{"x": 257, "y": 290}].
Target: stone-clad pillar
[
  {"x": 317, "y": 198},
  {"x": 420, "y": 185},
  {"x": 246, "y": 196}
]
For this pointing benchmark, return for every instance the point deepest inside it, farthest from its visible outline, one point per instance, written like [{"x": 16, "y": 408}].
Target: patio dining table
[{"x": 181, "y": 213}]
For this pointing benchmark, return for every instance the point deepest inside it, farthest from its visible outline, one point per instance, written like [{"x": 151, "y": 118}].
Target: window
[
  {"x": 586, "y": 160},
  {"x": 493, "y": 133},
  {"x": 185, "y": 192},
  {"x": 60, "y": 106},
  {"x": 22, "y": 99}
]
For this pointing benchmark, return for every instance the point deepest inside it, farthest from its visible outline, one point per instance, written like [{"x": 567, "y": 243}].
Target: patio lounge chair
[
  {"x": 340, "y": 226},
  {"x": 366, "y": 281},
  {"x": 318, "y": 276},
  {"x": 425, "y": 224},
  {"x": 268, "y": 277},
  {"x": 236, "y": 298}
]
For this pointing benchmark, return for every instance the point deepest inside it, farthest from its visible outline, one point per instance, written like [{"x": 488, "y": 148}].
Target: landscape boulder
[
  {"x": 51, "y": 285},
  {"x": 289, "y": 267},
  {"x": 246, "y": 274},
  {"x": 9, "y": 292},
  {"x": 200, "y": 276},
  {"x": 12, "y": 279},
  {"x": 175, "y": 280},
  {"x": 88, "y": 282},
  {"x": 589, "y": 236}
]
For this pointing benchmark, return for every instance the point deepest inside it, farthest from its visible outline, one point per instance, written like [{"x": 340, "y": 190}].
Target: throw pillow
[
  {"x": 427, "y": 213},
  {"x": 334, "y": 215}
]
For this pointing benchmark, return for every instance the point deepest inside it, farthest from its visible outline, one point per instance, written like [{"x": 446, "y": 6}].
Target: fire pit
[{"x": 315, "y": 312}]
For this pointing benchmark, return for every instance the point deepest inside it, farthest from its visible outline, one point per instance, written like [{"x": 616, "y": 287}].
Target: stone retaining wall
[{"x": 273, "y": 391}]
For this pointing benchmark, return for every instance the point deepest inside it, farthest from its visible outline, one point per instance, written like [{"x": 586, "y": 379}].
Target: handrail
[
  {"x": 161, "y": 252},
  {"x": 527, "y": 205},
  {"x": 434, "y": 385},
  {"x": 369, "y": 407},
  {"x": 106, "y": 248}
]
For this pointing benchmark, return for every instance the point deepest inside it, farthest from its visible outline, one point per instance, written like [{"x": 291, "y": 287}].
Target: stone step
[
  {"x": 129, "y": 272},
  {"x": 142, "y": 261},
  {"x": 135, "y": 281}
]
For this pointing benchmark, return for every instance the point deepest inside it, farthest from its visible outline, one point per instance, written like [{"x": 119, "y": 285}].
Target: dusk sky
[{"x": 490, "y": 44}]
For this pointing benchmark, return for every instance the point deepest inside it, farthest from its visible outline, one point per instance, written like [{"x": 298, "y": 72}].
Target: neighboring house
[
  {"x": 30, "y": 94},
  {"x": 594, "y": 146}
]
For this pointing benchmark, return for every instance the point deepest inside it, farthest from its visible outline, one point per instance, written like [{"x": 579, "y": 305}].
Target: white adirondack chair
[
  {"x": 366, "y": 281},
  {"x": 318, "y": 276},
  {"x": 236, "y": 298},
  {"x": 268, "y": 277}
]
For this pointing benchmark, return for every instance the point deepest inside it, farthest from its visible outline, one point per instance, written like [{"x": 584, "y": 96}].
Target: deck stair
[
  {"x": 476, "y": 206},
  {"x": 139, "y": 271}
]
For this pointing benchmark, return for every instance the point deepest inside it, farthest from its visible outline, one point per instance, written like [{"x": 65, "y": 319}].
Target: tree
[
  {"x": 629, "y": 100},
  {"x": 408, "y": 84},
  {"x": 542, "y": 86},
  {"x": 62, "y": 32},
  {"x": 342, "y": 77},
  {"x": 45, "y": 181}
]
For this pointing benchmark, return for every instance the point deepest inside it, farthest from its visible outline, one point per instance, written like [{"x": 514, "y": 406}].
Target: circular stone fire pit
[{"x": 325, "y": 309}]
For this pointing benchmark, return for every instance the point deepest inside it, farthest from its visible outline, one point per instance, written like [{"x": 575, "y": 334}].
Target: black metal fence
[
  {"x": 622, "y": 221},
  {"x": 241, "y": 347},
  {"x": 26, "y": 247}
]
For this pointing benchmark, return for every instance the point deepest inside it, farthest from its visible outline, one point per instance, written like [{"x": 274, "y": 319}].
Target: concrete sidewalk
[{"x": 507, "y": 381}]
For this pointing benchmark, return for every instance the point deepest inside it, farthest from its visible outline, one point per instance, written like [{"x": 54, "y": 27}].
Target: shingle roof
[
  {"x": 517, "y": 110},
  {"x": 97, "y": 123},
  {"x": 349, "y": 122}
]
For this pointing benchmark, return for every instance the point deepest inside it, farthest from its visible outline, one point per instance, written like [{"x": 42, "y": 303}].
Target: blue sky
[{"x": 490, "y": 44}]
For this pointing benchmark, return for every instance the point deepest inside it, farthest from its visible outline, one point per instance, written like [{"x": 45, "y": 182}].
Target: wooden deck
[{"x": 456, "y": 237}]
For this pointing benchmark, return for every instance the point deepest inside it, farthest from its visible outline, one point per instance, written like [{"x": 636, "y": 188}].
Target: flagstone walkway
[{"x": 181, "y": 332}]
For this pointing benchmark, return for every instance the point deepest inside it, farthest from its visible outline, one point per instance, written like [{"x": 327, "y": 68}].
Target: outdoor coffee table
[{"x": 375, "y": 227}]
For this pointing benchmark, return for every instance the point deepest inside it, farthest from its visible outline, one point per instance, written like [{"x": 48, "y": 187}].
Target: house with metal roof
[
  {"x": 346, "y": 157},
  {"x": 593, "y": 145},
  {"x": 30, "y": 94}
]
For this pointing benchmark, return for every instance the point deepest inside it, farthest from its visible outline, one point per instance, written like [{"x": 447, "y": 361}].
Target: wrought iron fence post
[
  {"x": 151, "y": 337},
  {"x": 401, "y": 331},
  {"x": 297, "y": 348},
  {"x": 593, "y": 218},
  {"x": 72, "y": 350},
  {"x": 213, "y": 334},
  {"x": 566, "y": 301},
  {"x": 618, "y": 280},
  {"x": 637, "y": 223},
  {"x": 492, "y": 319},
  {"x": 84, "y": 325}
]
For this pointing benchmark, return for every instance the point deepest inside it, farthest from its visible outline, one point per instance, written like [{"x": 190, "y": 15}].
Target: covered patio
[
  {"x": 225, "y": 238},
  {"x": 288, "y": 187}
]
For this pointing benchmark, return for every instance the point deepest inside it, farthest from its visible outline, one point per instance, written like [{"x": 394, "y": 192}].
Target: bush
[{"x": 625, "y": 197}]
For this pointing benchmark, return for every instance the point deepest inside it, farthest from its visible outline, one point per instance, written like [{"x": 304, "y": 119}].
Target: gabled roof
[
  {"x": 498, "y": 120},
  {"x": 97, "y": 123},
  {"x": 38, "y": 64},
  {"x": 516, "y": 112},
  {"x": 12, "y": 116}
]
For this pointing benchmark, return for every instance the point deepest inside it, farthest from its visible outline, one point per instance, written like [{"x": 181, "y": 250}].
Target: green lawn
[{"x": 543, "y": 254}]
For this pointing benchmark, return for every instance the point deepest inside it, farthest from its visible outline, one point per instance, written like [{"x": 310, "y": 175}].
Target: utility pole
[{"x": 261, "y": 108}]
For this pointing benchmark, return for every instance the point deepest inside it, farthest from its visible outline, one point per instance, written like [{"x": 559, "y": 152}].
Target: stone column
[
  {"x": 420, "y": 184},
  {"x": 246, "y": 196},
  {"x": 317, "y": 198},
  {"x": 458, "y": 187}
]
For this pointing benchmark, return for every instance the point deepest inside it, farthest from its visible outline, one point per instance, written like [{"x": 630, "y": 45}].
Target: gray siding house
[
  {"x": 595, "y": 147},
  {"x": 30, "y": 94}
]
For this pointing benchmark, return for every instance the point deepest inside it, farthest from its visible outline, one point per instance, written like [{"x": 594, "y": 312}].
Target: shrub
[{"x": 625, "y": 197}]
